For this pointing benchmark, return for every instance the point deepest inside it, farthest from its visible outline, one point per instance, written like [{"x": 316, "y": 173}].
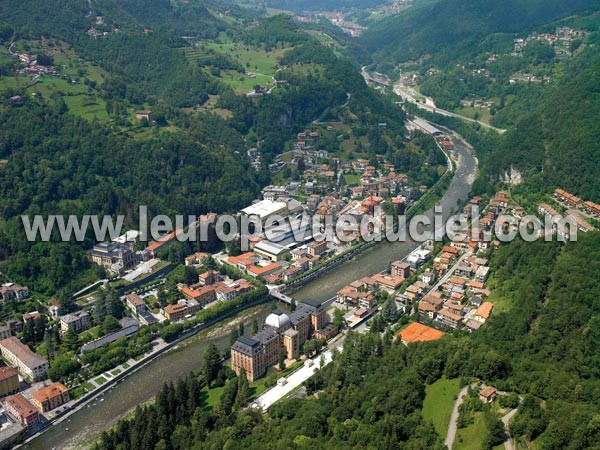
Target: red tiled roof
[
  {"x": 485, "y": 310},
  {"x": 48, "y": 392}
]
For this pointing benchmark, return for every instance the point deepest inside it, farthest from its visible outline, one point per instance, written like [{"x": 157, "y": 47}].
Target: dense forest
[
  {"x": 71, "y": 18},
  {"x": 58, "y": 164}
]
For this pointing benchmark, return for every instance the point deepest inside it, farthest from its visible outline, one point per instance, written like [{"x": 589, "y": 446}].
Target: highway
[{"x": 407, "y": 95}]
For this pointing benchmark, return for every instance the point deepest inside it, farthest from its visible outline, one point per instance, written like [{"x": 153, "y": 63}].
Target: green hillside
[{"x": 445, "y": 30}]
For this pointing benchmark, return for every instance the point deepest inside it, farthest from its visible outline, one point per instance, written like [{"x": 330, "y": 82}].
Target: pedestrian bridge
[{"x": 276, "y": 293}]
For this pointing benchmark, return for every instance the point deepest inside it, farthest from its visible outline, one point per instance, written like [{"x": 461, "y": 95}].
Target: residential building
[
  {"x": 400, "y": 269},
  {"x": 202, "y": 295},
  {"x": 78, "y": 321},
  {"x": 5, "y": 331},
  {"x": 244, "y": 260},
  {"x": 31, "y": 316},
  {"x": 51, "y": 397},
  {"x": 54, "y": 308},
  {"x": 9, "y": 381},
  {"x": 316, "y": 248},
  {"x": 181, "y": 309},
  {"x": 195, "y": 259},
  {"x": 388, "y": 283},
  {"x": 263, "y": 271},
  {"x": 142, "y": 114},
  {"x": 488, "y": 394},
  {"x": 12, "y": 291},
  {"x": 485, "y": 310},
  {"x": 29, "y": 364},
  {"x": 450, "y": 318},
  {"x": 136, "y": 304},
  {"x": 22, "y": 411},
  {"x": 209, "y": 277},
  {"x": 163, "y": 242}
]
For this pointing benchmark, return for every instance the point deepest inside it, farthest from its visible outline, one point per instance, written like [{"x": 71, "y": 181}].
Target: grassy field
[
  {"x": 470, "y": 112},
  {"x": 90, "y": 335},
  {"x": 260, "y": 63},
  {"x": 100, "y": 380},
  {"x": 471, "y": 437},
  {"x": 82, "y": 100},
  {"x": 438, "y": 403},
  {"x": 210, "y": 397}
]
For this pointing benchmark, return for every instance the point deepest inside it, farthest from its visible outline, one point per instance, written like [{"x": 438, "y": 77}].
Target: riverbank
[
  {"x": 135, "y": 388},
  {"x": 93, "y": 395}
]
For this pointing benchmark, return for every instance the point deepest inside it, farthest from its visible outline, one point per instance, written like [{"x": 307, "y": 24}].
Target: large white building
[{"x": 32, "y": 366}]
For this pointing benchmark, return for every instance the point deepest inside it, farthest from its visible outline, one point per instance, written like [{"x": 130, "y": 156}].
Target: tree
[
  {"x": 190, "y": 276},
  {"x": 110, "y": 324},
  {"x": 377, "y": 324},
  {"x": 338, "y": 318},
  {"x": 243, "y": 390},
  {"x": 70, "y": 341},
  {"x": 233, "y": 335},
  {"x": 211, "y": 363},
  {"x": 389, "y": 311},
  {"x": 99, "y": 311},
  {"x": 254, "y": 326},
  {"x": 281, "y": 360},
  {"x": 495, "y": 433}
]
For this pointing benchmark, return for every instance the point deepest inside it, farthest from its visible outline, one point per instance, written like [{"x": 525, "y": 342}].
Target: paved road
[
  {"x": 268, "y": 398},
  {"x": 402, "y": 92},
  {"x": 450, "y": 272},
  {"x": 508, "y": 443},
  {"x": 454, "y": 417}
]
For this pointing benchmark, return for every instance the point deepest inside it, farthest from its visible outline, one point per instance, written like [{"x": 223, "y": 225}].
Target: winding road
[{"x": 454, "y": 417}]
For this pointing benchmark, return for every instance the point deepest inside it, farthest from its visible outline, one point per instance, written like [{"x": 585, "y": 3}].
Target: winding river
[{"x": 85, "y": 425}]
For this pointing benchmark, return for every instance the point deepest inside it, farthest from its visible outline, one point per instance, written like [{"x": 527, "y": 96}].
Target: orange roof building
[
  {"x": 417, "y": 332},
  {"x": 485, "y": 310},
  {"x": 51, "y": 397}
]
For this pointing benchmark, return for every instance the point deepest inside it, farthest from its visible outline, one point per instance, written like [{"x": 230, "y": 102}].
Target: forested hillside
[
  {"x": 555, "y": 142},
  {"x": 58, "y": 164},
  {"x": 325, "y": 5},
  {"x": 69, "y": 19},
  {"x": 541, "y": 343},
  {"x": 445, "y": 30}
]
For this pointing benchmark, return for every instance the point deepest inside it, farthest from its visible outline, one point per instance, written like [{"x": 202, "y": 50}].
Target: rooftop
[
  {"x": 7, "y": 372},
  {"x": 21, "y": 405},
  {"x": 48, "y": 392},
  {"x": 264, "y": 208},
  {"x": 23, "y": 352}
]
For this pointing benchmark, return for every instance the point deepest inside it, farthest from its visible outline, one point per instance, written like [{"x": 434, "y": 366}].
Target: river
[
  {"x": 83, "y": 426},
  {"x": 377, "y": 258},
  {"x": 79, "y": 430}
]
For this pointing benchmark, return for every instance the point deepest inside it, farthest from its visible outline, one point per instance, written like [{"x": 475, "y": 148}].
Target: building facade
[
  {"x": 32, "y": 366},
  {"x": 22, "y": 411},
  {"x": 51, "y": 397},
  {"x": 283, "y": 335},
  {"x": 78, "y": 321},
  {"x": 9, "y": 381}
]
